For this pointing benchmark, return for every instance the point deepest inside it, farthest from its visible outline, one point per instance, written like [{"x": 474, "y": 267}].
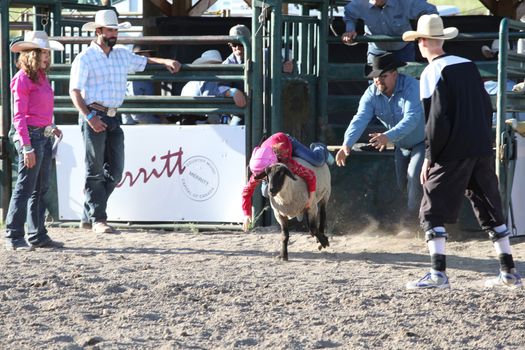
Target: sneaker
[
  {"x": 505, "y": 280},
  {"x": 430, "y": 280},
  {"x": 330, "y": 160},
  {"x": 48, "y": 244},
  {"x": 102, "y": 227},
  {"x": 85, "y": 225},
  {"x": 128, "y": 120},
  {"x": 18, "y": 244}
]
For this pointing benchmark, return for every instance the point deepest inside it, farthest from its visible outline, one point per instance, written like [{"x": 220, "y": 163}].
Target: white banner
[
  {"x": 518, "y": 188},
  {"x": 172, "y": 173}
]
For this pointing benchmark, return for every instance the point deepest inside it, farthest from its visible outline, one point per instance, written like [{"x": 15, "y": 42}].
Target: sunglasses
[{"x": 235, "y": 44}]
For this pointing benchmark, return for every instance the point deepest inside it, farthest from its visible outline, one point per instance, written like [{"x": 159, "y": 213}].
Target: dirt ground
[{"x": 226, "y": 290}]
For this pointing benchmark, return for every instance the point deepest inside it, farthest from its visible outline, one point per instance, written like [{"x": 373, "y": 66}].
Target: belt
[
  {"x": 46, "y": 130},
  {"x": 109, "y": 111}
]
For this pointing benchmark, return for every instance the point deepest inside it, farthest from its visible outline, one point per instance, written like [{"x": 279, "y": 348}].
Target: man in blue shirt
[
  {"x": 213, "y": 88},
  {"x": 393, "y": 98},
  {"x": 385, "y": 17}
]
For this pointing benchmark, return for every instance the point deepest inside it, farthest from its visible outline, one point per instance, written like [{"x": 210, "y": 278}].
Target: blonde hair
[
  {"x": 29, "y": 62},
  {"x": 279, "y": 151}
]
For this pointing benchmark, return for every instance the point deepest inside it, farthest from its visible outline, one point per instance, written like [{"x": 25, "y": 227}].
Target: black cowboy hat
[
  {"x": 381, "y": 64},
  {"x": 138, "y": 49}
]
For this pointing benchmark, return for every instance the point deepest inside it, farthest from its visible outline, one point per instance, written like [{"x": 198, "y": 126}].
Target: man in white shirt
[{"x": 97, "y": 88}]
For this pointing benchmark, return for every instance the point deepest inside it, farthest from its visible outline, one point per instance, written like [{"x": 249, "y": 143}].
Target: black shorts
[{"x": 449, "y": 181}]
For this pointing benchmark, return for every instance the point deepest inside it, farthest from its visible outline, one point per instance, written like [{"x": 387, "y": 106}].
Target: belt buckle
[
  {"x": 48, "y": 131},
  {"x": 111, "y": 112}
]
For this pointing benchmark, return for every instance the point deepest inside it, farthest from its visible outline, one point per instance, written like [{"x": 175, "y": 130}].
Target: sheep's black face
[{"x": 276, "y": 177}]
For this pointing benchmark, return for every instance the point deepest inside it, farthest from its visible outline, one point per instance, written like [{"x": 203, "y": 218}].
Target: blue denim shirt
[
  {"x": 393, "y": 19},
  {"x": 491, "y": 87},
  {"x": 402, "y": 114},
  {"x": 232, "y": 59}
]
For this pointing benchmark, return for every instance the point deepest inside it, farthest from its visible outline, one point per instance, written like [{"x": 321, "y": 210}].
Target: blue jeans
[
  {"x": 316, "y": 157},
  {"x": 27, "y": 201},
  {"x": 408, "y": 168},
  {"x": 104, "y": 159}
]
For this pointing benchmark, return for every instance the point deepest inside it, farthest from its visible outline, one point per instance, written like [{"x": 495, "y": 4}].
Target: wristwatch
[{"x": 91, "y": 115}]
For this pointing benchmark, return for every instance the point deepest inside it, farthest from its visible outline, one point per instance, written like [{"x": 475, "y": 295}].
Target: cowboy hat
[
  {"x": 381, "y": 64},
  {"x": 139, "y": 49},
  {"x": 430, "y": 27},
  {"x": 36, "y": 40},
  {"x": 493, "y": 50},
  {"x": 106, "y": 19},
  {"x": 240, "y": 30},
  {"x": 209, "y": 57}
]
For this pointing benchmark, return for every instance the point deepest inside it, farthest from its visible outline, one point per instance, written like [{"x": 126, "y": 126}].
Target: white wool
[{"x": 291, "y": 200}]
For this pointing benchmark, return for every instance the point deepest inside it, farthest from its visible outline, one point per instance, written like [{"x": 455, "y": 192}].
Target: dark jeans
[
  {"x": 104, "y": 159},
  {"x": 408, "y": 167},
  {"x": 449, "y": 181},
  {"x": 27, "y": 204}
]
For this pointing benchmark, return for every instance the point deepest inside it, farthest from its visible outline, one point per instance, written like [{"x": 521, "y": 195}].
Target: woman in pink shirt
[{"x": 33, "y": 122}]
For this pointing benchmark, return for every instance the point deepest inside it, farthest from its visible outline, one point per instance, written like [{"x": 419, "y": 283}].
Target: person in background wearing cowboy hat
[
  {"x": 141, "y": 88},
  {"x": 33, "y": 121},
  {"x": 393, "y": 98},
  {"x": 491, "y": 86},
  {"x": 237, "y": 55},
  {"x": 97, "y": 88},
  {"x": 459, "y": 159},
  {"x": 212, "y": 88},
  {"x": 385, "y": 17}
]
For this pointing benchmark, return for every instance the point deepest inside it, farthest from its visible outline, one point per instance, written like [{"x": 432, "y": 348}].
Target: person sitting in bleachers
[{"x": 212, "y": 88}]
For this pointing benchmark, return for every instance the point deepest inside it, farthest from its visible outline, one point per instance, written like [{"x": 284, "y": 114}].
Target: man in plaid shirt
[{"x": 97, "y": 88}]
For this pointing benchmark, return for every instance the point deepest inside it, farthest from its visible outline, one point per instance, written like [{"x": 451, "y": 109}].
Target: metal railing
[
  {"x": 173, "y": 104},
  {"x": 509, "y": 65}
]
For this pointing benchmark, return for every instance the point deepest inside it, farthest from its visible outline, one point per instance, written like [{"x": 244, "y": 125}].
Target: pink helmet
[{"x": 262, "y": 157}]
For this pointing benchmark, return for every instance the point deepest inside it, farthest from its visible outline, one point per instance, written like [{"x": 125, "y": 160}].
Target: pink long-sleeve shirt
[
  {"x": 33, "y": 104},
  {"x": 285, "y": 147}
]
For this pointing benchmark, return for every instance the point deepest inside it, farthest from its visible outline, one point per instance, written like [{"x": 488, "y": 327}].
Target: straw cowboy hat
[
  {"x": 430, "y": 27},
  {"x": 106, "y": 19},
  {"x": 209, "y": 57},
  {"x": 381, "y": 64},
  {"x": 36, "y": 40}
]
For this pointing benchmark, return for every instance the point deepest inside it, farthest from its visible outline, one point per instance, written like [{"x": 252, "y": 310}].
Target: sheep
[{"x": 288, "y": 198}]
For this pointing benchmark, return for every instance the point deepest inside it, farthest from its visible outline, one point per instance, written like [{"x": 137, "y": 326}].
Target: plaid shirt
[{"x": 102, "y": 78}]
